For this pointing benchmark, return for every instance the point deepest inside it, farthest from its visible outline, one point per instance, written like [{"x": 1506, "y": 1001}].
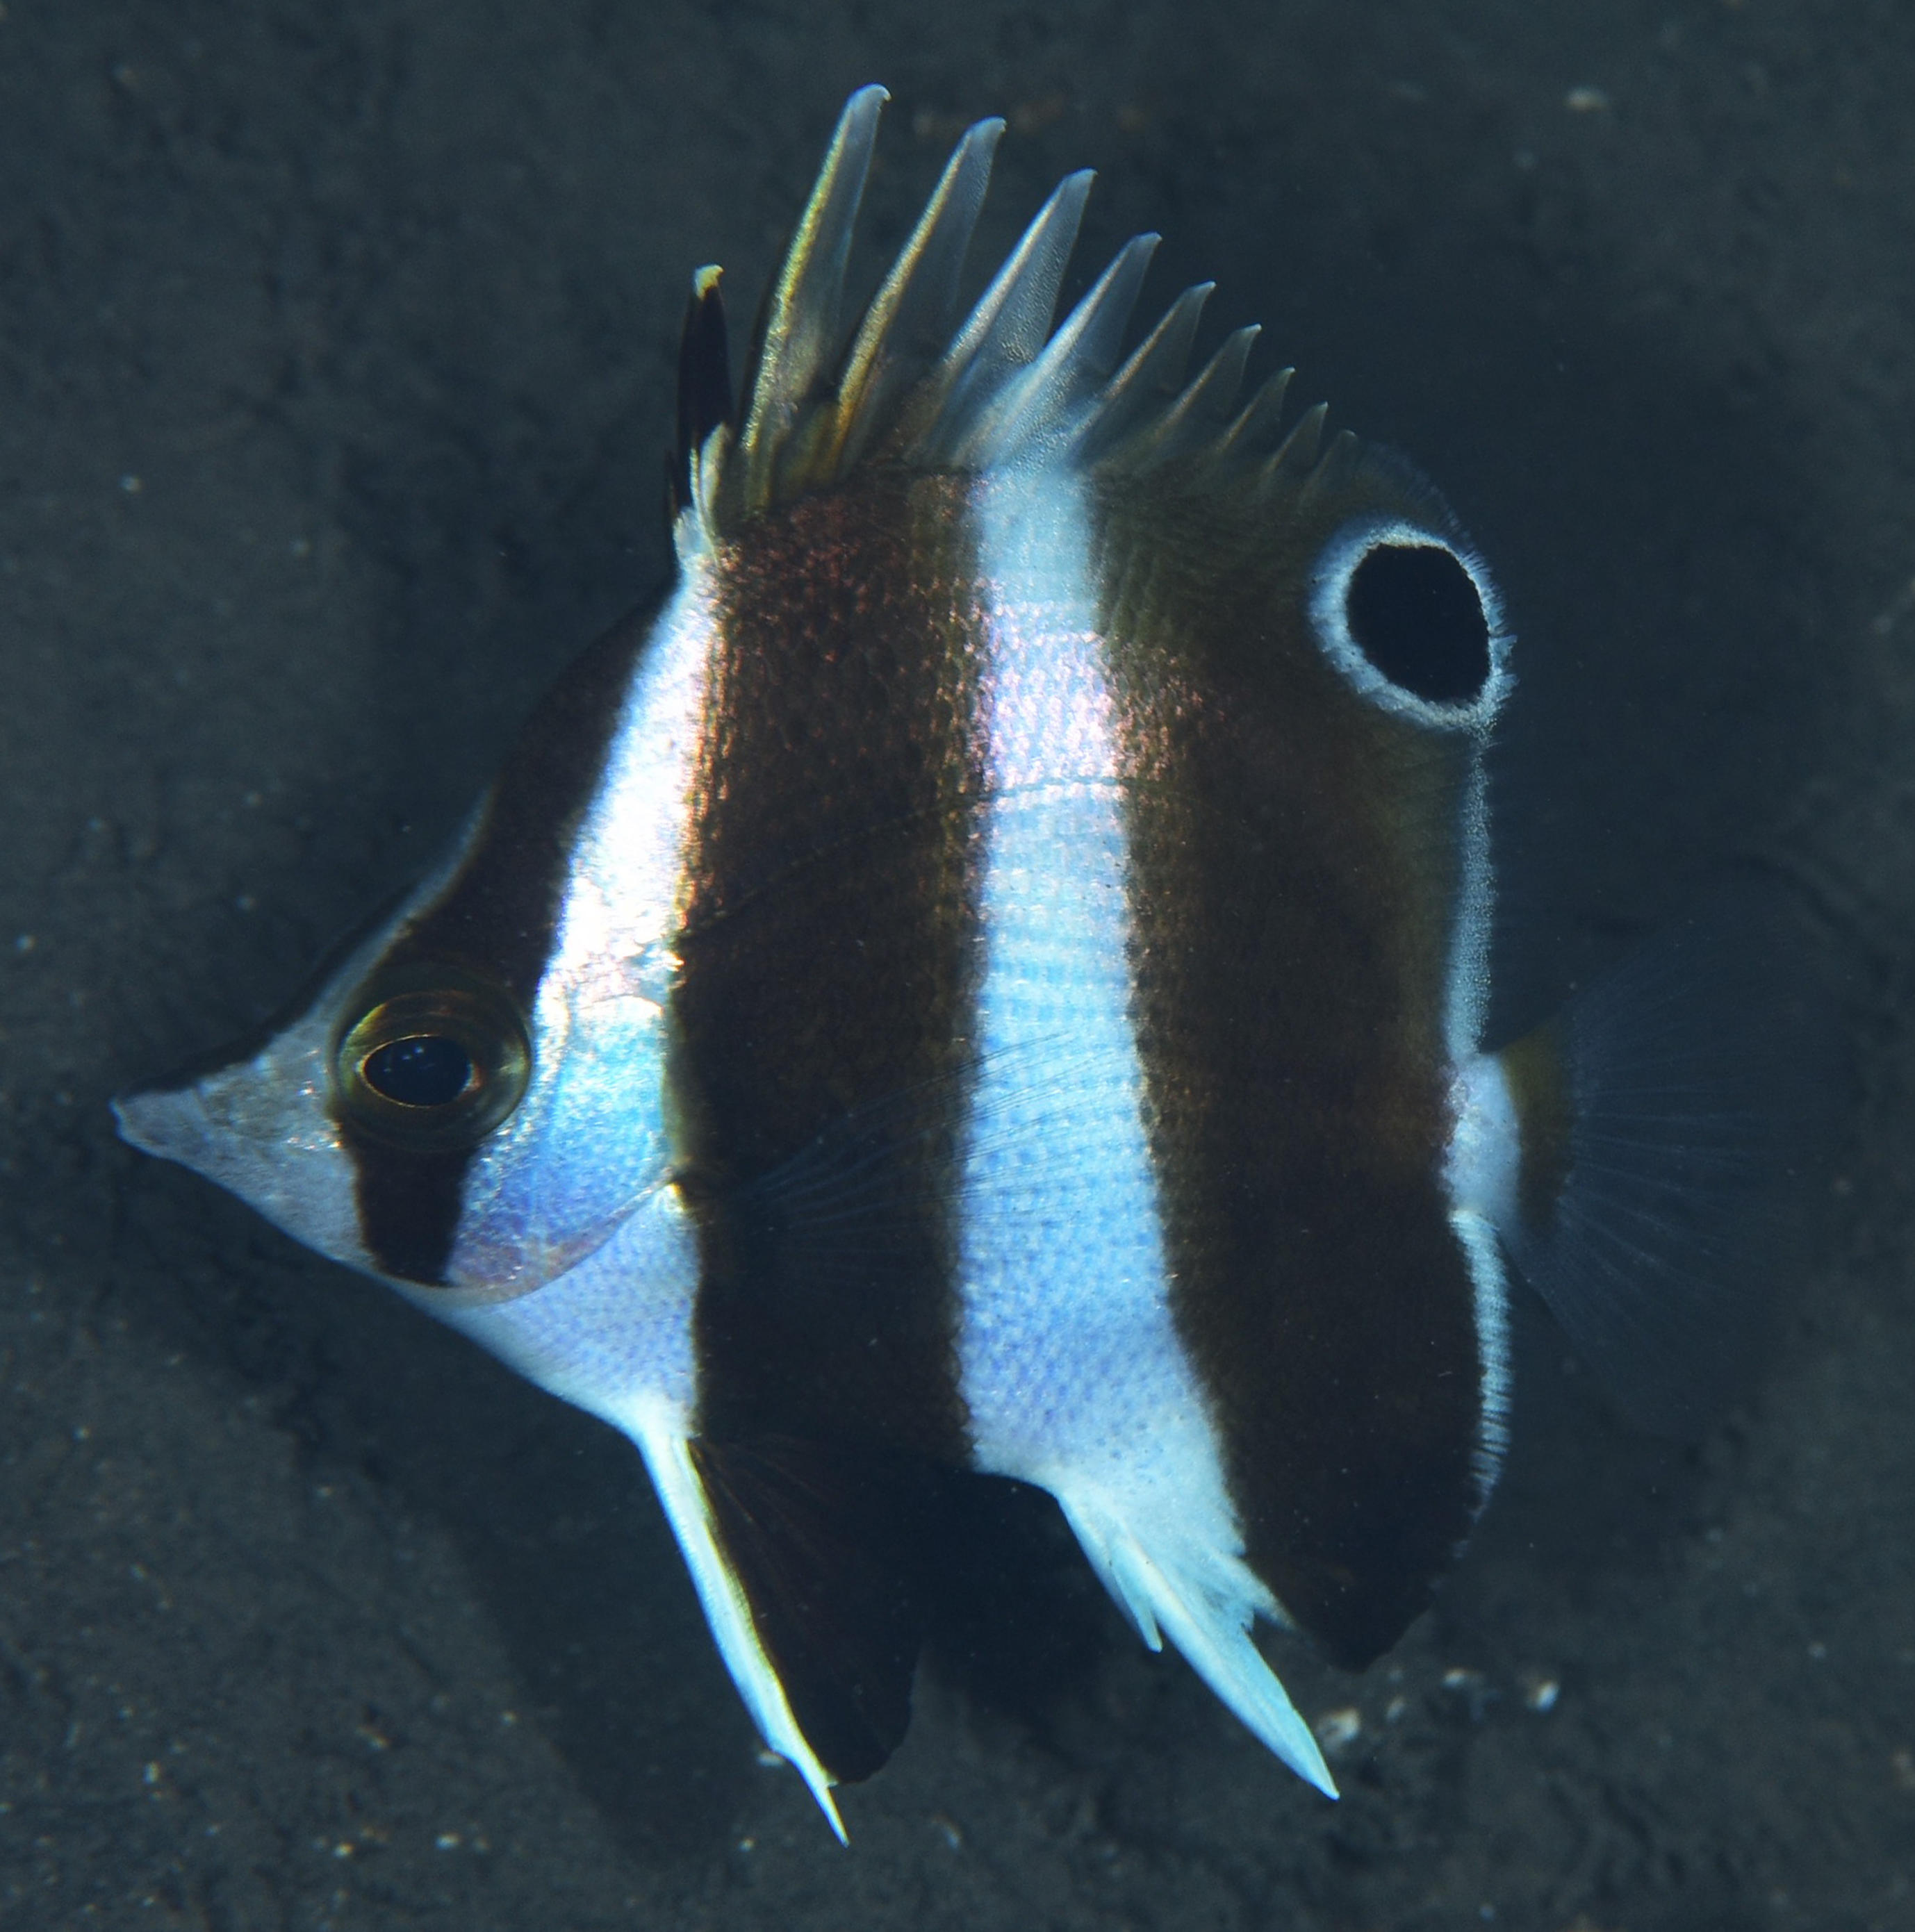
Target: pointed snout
[{"x": 171, "y": 1124}]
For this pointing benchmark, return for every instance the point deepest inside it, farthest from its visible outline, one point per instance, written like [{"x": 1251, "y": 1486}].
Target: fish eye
[
  {"x": 424, "y": 1069},
  {"x": 1406, "y": 616},
  {"x": 436, "y": 1058}
]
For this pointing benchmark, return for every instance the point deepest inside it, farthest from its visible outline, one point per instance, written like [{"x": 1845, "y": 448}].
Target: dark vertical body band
[
  {"x": 496, "y": 918},
  {"x": 830, "y": 955},
  {"x": 1294, "y": 869}
]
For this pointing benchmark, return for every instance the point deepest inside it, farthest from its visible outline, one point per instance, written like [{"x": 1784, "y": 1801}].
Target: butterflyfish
[{"x": 988, "y": 973}]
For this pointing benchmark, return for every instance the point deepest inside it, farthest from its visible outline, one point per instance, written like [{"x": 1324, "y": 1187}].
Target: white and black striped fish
[{"x": 988, "y": 974}]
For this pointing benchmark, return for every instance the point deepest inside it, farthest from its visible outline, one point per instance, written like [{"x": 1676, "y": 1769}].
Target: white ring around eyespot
[{"x": 1329, "y": 589}]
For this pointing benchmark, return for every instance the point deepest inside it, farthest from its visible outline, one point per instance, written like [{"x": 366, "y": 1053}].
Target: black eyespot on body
[
  {"x": 1414, "y": 611},
  {"x": 426, "y": 1070},
  {"x": 436, "y": 1059}
]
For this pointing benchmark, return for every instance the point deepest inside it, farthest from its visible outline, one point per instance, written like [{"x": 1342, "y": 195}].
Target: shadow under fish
[{"x": 988, "y": 975}]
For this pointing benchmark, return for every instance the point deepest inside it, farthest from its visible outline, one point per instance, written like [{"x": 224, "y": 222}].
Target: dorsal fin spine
[
  {"x": 1151, "y": 376},
  {"x": 1258, "y": 421},
  {"x": 1006, "y": 329},
  {"x": 1295, "y": 456},
  {"x": 1003, "y": 388},
  {"x": 918, "y": 299},
  {"x": 1081, "y": 353},
  {"x": 704, "y": 380},
  {"x": 1196, "y": 414},
  {"x": 799, "y": 338}
]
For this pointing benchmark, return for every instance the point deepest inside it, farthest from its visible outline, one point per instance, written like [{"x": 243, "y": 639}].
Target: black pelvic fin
[
  {"x": 705, "y": 378},
  {"x": 1674, "y": 1120},
  {"x": 813, "y": 1532}
]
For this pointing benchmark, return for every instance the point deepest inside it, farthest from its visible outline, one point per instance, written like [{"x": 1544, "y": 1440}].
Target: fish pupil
[
  {"x": 1414, "y": 611},
  {"x": 426, "y": 1070}
]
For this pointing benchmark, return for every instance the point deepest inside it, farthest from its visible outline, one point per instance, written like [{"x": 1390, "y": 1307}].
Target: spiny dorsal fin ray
[
  {"x": 908, "y": 324},
  {"x": 1005, "y": 332},
  {"x": 1036, "y": 405},
  {"x": 799, "y": 340},
  {"x": 901, "y": 386},
  {"x": 1198, "y": 414},
  {"x": 1149, "y": 380},
  {"x": 705, "y": 378},
  {"x": 1254, "y": 432},
  {"x": 1296, "y": 455},
  {"x": 1334, "y": 467}
]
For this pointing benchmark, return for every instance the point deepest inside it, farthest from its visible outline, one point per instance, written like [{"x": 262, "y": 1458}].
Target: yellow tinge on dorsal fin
[
  {"x": 907, "y": 383},
  {"x": 798, "y": 344}
]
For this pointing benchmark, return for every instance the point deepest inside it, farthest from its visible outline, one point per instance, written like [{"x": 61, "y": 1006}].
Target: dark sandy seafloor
[{"x": 335, "y": 353}]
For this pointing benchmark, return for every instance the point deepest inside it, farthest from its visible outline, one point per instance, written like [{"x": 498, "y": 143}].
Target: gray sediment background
[{"x": 336, "y": 350}]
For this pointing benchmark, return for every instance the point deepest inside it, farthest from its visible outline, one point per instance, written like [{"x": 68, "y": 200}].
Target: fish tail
[{"x": 1671, "y": 1124}]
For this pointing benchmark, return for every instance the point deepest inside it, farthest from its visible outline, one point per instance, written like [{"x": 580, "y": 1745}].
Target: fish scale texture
[{"x": 335, "y": 365}]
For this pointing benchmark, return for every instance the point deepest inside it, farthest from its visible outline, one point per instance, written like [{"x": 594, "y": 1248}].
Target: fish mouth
[{"x": 168, "y": 1122}]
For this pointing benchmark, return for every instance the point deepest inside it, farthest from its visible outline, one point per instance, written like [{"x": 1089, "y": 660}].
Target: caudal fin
[{"x": 1672, "y": 1120}]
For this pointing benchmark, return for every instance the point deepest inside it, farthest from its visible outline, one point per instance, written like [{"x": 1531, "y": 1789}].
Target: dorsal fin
[
  {"x": 1198, "y": 414},
  {"x": 704, "y": 380},
  {"x": 1040, "y": 402},
  {"x": 1005, "y": 332},
  {"x": 798, "y": 343},
  {"x": 908, "y": 324},
  {"x": 907, "y": 383}
]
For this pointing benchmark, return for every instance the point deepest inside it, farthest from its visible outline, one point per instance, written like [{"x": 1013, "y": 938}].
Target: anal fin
[{"x": 1170, "y": 1583}]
